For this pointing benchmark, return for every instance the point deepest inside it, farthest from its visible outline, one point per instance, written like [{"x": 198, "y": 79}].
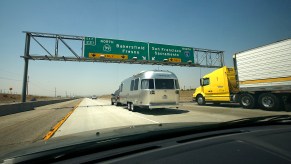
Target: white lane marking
[
  {"x": 104, "y": 102},
  {"x": 146, "y": 118}
]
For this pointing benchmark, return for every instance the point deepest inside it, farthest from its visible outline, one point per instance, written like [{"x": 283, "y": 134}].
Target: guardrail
[{"x": 7, "y": 109}]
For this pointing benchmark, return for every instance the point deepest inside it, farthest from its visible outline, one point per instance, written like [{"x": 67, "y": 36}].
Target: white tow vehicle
[{"x": 150, "y": 89}]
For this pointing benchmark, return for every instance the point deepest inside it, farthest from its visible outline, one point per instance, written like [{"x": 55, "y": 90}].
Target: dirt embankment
[
  {"x": 105, "y": 97},
  {"x": 12, "y": 98},
  {"x": 186, "y": 95}
]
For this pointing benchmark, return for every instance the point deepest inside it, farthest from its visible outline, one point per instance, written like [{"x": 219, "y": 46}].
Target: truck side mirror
[{"x": 201, "y": 82}]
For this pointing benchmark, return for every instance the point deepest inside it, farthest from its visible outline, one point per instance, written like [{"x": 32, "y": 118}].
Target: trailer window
[
  {"x": 131, "y": 85},
  {"x": 136, "y": 84},
  {"x": 164, "y": 84},
  {"x": 147, "y": 84},
  {"x": 177, "y": 84},
  {"x": 121, "y": 87}
]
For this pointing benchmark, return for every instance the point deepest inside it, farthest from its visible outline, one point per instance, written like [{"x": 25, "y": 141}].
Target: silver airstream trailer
[{"x": 150, "y": 89}]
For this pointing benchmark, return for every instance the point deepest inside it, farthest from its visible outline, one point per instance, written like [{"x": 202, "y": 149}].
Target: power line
[
  {"x": 5, "y": 78},
  {"x": 34, "y": 85},
  {"x": 4, "y": 70}
]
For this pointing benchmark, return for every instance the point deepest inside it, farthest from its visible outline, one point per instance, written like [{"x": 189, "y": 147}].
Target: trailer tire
[
  {"x": 128, "y": 105},
  {"x": 269, "y": 101},
  {"x": 132, "y": 107},
  {"x": 247, "y": 101},
  {"x": 200, "y": 100}
]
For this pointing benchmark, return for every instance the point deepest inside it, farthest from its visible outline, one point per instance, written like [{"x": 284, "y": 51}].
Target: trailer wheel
[
  {"x": 200, "y": 100},
  {"x": 269, "y": 101},
  {"x": 247, "y": 101},
  {"x": 132, "y": 107},
  {"x": 128, "y": 105}
]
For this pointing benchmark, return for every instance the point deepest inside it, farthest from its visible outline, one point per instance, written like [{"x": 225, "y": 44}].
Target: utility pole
[
  {"x": 55, "y": 92},
  {"x": 27, "y": 85}
]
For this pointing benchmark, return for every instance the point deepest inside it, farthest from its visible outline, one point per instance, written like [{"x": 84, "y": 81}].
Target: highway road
[
  {"x": 100, "y": 114},
  {"x": 27, "y": 127},
  {"x": 87, "y": 114}
]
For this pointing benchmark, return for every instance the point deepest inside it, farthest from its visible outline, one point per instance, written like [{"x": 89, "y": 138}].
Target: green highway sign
[
  {"x": 128, "y": 50},
  {"x": 161, "y": 52},
  {"x": 115, "y": 49}
]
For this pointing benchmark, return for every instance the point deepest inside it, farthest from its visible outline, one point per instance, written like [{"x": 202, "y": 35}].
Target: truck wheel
[
  {"x": 247, "y": 101},
  {"x": 269, "y": 101},
  {"x": 112, "y": 103},
  {"x": 200, "y": 100}
]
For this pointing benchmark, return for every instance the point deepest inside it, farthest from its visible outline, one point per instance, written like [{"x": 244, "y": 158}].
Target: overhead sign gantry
[{"x": 116, "y": 51}]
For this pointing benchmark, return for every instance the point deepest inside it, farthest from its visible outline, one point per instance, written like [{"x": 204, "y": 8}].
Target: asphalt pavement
[
  {"x": 100, "y": 114},
  {"x": 87, "y": 114},
  {"x": 27, "y": 127}
]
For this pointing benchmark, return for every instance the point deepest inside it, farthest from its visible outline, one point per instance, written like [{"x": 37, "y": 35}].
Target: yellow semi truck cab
[
  {"x": 217, "y": 86},
  {"x": 261, "y": 77}
]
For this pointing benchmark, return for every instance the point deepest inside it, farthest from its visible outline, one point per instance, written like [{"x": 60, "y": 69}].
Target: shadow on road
[
  {"x": 227, "y": 105},
  {"x": 63, "y": 107},
  {"x": 164, "y": 111},
  {"x": 286, "y": 107}
]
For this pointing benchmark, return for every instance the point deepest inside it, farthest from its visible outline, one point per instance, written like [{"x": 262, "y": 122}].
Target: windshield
[
  {"x": 73, "y": 68},
  {"x": 159, "y": 84},
  {"x": 164, "y": 84}
]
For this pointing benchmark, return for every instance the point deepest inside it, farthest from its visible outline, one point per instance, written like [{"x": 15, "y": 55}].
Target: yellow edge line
[{"x": 59, "y": 124}]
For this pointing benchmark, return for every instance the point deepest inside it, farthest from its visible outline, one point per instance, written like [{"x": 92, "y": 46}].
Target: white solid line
[{"x": 146, "y": 118}]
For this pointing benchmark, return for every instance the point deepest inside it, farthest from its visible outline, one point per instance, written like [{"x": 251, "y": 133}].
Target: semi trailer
[{"x": 260, "y": 78}]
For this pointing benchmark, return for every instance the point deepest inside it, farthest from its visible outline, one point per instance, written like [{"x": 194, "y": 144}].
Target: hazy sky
[{"x": 227, "y": 25}]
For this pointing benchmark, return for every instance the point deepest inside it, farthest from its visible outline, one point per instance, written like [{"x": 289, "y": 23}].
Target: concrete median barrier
[{"x": 7, "y": 109}]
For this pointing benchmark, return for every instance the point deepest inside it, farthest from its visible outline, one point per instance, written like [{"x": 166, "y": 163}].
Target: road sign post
[{"x": 26, "y": 59}]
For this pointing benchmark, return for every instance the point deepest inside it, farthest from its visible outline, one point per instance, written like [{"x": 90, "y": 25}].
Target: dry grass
[
  {"x": 186, "y": 95},
  {"x": 11, "y": 98},
  {"x": 105, "y": 97}
]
